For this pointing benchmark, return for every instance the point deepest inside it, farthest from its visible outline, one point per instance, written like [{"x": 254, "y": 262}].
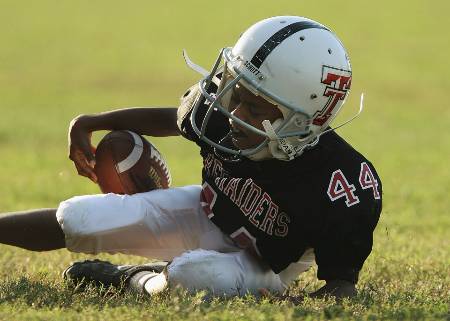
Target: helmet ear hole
[{"x": 299, "y": 122}]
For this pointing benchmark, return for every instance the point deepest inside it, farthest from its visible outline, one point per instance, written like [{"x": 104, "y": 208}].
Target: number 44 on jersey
[{"x": 340, "y": 187}]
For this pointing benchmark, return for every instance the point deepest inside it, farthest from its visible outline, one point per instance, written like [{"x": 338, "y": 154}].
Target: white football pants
[{"x": 170, "y": 225}]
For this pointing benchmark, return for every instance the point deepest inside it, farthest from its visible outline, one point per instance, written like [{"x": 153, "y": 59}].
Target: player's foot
[{"x": 105, "y": 273}]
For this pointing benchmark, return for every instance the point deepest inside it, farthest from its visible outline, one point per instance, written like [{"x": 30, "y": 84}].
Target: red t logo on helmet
[{"x": 338, "y": 82}]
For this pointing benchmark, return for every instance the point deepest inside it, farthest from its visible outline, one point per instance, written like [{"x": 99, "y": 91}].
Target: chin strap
[{"x": 282, "y": 143}]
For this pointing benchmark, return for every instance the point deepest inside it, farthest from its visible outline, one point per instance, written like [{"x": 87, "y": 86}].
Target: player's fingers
[
  {"x": 266, "y": 294},
  {"x": 80, "y": 170},
  {"x": 81, "y": 158},
  {"x": 80, "y": 141},
  {"x": 88, "y": 172},
  {"x": 87, "y": 151},
  {"x": 83, "y": 166}
]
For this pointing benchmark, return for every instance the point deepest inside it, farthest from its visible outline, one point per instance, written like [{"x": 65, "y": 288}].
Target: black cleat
[{"x": 103, "y": 273}]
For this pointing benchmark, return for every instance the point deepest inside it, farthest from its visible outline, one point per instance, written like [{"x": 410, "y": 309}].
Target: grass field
[{"x": 62, "y": 58}]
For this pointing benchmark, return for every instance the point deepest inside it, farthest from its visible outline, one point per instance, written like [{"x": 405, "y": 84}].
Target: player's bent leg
[
  {"x": 219, "y": 274},
  {"x": 222, "y": 274},
  {"x": 159, "y": 224}
]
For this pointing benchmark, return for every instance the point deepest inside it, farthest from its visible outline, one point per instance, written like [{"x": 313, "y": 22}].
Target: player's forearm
[{"x": 145, "y": 121}]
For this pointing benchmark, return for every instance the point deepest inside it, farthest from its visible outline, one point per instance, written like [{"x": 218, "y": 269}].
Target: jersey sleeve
[
  {"x": 345, "y": 240},
  {"x": 343, "y": 248}
]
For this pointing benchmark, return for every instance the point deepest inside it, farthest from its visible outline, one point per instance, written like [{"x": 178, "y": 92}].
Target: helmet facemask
[{"x": 292, "y": 127}]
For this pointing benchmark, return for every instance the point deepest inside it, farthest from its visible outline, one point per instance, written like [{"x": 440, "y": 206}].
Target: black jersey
[{"x": 328, "y": 199}]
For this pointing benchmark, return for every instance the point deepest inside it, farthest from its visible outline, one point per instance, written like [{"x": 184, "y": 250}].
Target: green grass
[{"x": 62, "y": 58}]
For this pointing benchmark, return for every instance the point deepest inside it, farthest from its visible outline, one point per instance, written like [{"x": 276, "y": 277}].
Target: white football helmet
[{"x": 295, "y": 63}]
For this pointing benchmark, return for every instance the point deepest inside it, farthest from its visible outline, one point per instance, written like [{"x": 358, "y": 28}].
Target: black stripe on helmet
[{"x": 278, "y": 37}]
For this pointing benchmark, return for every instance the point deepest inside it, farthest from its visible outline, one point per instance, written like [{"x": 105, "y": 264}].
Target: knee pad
[
  {"x": 70, "y": 215},
  {"x": 218, "y": 273}
]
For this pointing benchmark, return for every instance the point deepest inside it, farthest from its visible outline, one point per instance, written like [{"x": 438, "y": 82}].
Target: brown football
[{"x": 127, "y": 163}]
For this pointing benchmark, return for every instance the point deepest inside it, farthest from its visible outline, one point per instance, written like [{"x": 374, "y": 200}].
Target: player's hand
[
  {"x": 339, "y": 289},
  {"x": 81, "y": 152}
]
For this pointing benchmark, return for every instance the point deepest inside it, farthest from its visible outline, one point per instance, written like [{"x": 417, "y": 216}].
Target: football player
[{"x": 280, "y": 189}]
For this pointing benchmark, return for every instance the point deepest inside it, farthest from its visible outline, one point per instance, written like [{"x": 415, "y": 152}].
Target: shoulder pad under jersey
[{"x": 187, "y": 102}]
